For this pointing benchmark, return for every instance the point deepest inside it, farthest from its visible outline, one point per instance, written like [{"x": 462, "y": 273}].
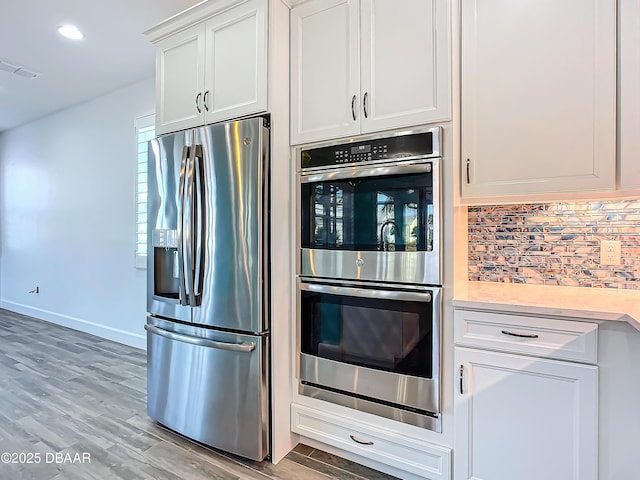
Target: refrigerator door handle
[
  {"x": 199, "y": 221},
  {"x": 244, "y": 347},
  {"x": 182, "y": 273},
  {"x": 187, "y": 229}
]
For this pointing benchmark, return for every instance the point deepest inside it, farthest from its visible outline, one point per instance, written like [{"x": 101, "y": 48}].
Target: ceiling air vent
[{"x": 17, "y": 70}]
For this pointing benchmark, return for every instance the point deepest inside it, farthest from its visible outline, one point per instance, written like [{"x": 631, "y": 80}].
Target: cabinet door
[
  {"x": 405, "y": 63},
  {"x": 524, "y": 418},
  {"x": 325, "y": 81},
  {"x": 236, "y": 62},
  {"x": 538, "y": 96},
  {"x": 180, "y": 80},
  {"x": 629, "y": 94}
]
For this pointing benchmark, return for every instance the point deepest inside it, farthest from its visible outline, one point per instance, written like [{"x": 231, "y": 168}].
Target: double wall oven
[{"x": 370, "y": 276}]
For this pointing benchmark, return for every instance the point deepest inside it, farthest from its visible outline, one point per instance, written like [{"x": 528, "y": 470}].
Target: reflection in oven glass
[
  {"x": 385, "y": 213},
  {"x": 329, "y": 216}
]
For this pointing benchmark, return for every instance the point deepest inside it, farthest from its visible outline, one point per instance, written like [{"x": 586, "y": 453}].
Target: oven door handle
[
  {"x": 365, "y": 292},
  {"x": 418, "y": 166}
]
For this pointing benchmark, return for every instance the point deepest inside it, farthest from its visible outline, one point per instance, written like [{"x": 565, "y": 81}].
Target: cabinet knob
[{"x": 198, "y": 102}]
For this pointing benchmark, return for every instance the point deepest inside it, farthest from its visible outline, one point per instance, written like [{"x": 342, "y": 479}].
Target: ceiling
[{"x": 113, "y": 53}]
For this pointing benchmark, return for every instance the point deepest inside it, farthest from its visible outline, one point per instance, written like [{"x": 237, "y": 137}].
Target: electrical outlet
[{"x": 610, "y": 252}]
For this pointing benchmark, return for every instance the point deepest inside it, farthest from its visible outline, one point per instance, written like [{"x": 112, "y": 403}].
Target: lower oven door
[{"x": 377, "y": 344}]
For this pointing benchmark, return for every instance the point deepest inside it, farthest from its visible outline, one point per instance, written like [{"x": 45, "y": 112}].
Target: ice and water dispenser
[{"x": 166, "y": 270}]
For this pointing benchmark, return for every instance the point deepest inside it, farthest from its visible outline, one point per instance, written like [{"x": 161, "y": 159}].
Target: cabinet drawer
[
  {"x": 385, "y": 446},
  {"x": 542, "y": 337}
]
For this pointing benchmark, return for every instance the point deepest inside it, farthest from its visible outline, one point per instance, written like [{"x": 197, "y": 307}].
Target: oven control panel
[{"x": 381, "y": 149}]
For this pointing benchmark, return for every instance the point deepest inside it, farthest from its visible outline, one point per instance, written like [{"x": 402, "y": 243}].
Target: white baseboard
[{"x": 121, "y": 336}]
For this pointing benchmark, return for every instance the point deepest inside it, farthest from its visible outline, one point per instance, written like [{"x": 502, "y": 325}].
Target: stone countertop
[{"x": 577, "y": 303}]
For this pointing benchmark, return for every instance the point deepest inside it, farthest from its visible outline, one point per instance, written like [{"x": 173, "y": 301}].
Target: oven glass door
[
  {"x": 382, "y": 333},
  {"x": 369, "y": 213}
]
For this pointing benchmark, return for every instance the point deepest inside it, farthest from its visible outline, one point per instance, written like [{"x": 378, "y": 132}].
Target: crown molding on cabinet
[{"x": 180, "y": 21}]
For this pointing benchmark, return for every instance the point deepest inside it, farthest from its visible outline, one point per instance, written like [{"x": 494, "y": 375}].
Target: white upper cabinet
[
  {"x": 368, "y": 65},
  {"x": 538, "y": 97},
  {"x": 629, "y": 93},
  {"x": 236, "y": 62},
  {"x": 405, "y": 63},
  {"x": 325, "y": 74},
  {"x": 180, "y": 80},
  {"x": 214, "y": 68}
]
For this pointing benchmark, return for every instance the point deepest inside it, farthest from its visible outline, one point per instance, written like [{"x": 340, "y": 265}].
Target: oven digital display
[
  {"x": 381, "y": 149},
  {"x": 360, "y": 149}
]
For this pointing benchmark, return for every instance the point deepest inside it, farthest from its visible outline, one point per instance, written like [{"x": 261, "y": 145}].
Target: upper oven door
[{"x": 378, "y": 223}]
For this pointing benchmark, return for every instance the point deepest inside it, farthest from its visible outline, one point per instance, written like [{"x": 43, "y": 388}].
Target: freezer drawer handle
[{"x": 202, "y": 342}]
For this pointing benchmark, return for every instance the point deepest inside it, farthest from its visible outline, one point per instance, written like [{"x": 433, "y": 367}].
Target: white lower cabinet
[
  {"x": 420, "y": 459},
  {"x": 525, "y": 418}
]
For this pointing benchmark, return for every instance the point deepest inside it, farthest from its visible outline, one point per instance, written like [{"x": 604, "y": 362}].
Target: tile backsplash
[{"x": 555, "y": 244}]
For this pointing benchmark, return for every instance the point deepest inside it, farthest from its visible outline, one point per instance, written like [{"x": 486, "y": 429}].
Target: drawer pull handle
[
  {"x": 361, "y": 442},
  {"x": 521, "y": 335},
  {"x": 461, "y": 379}
]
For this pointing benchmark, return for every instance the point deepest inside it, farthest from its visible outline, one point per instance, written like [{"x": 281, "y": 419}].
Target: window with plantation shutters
[{"x": 145, "y": 131}]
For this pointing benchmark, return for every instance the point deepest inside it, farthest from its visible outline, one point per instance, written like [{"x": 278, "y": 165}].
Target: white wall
[{"x": 67, "y": 217}]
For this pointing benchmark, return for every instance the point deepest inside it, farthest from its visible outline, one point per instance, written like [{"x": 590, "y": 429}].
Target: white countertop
[{"x": 579, "y": 303}]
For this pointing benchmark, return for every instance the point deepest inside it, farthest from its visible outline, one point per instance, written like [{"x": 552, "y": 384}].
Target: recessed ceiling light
[{"x": 70, "y": 31}]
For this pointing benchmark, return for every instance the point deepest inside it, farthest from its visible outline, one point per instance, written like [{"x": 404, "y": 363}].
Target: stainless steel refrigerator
[{"x": 208, "y": 285}]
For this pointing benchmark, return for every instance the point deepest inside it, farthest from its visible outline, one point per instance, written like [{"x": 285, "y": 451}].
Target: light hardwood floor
[{"x": 66, "y": 392}]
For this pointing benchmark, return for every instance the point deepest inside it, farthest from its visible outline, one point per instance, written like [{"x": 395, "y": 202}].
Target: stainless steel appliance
[
  {"x": 207, "y": 287},
  {"x": 369, "y": 285},
  {"x": 372, "y": 348},
  {"x": 369, "y": 209}
]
